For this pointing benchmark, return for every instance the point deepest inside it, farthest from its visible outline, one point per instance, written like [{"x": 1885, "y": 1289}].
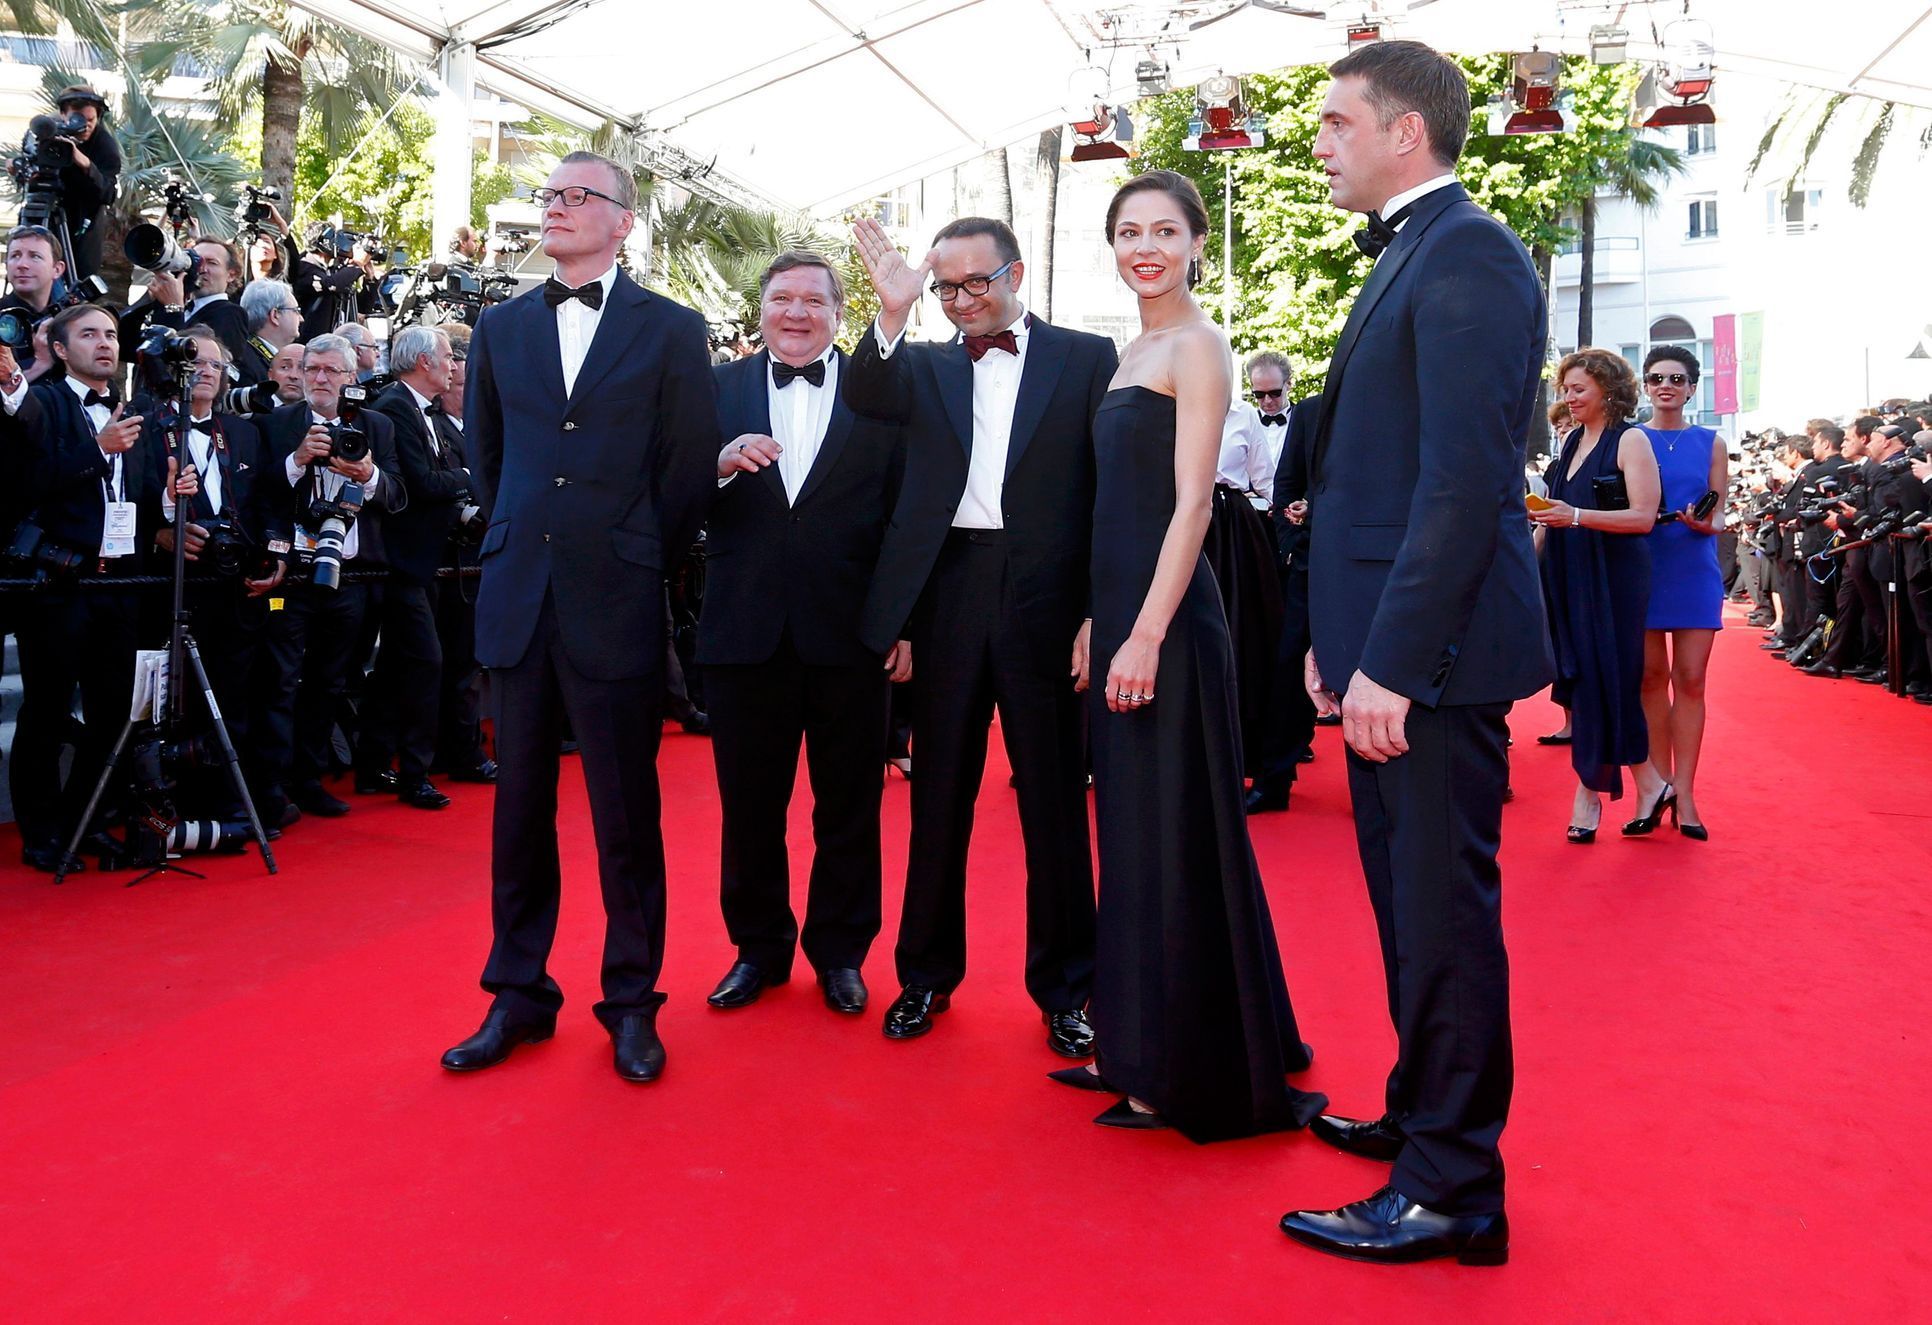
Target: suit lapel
[
  {"x": 615, "y": 331},
  {"x": 548, "y": 349},
  {"x": 838, "y": 430},
  {"x": 1046, "y": 351},
  {"x": 752, "y": 408},
  {"x": 954, "y": 369}
]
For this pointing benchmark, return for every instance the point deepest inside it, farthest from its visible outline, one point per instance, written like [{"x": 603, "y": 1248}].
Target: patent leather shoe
[
  {"x": 1390, "y": 1228},
  {"x": 312, "y": 799},
  {"x": 742, "y": 985},
  {"x": 1822, "y": 668},
  {"x": 844, "y": 988},
  {"x": 479, "y": 772},
  {"x": 911, "y": 1014},
  {"x": 421, "y": 794},
  {"x": 636, "y": 1052},
  {"x": 1878, "y": 678},
  {"x": 1266, "y": 797},
  {"x": 1069, "y": 1033},
  {"x": 493, "y": 1041},
  {"x": 377, "y": 781},
  {"x": 1645, "y": 823},
  {"x": 1377, "y": 1138}
]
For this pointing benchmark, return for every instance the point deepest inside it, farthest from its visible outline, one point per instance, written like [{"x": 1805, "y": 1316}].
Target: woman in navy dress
[
  {"x": 1686, "y": 589},
  {"x": 1192, "y": 1022},
  {"x": 1596, "y": 582}
]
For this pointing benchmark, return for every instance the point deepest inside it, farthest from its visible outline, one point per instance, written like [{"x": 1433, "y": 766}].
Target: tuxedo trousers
[
  {"x": 617, "y": 727},
  {"x": 70, "y": 639},
  {"x": 1428, "y": 825},
  {"x": 760, "y": 713},
  {"x": 1290, "y": 725},
  {"x": 971, "y": 654},
  {"x": 401, "y": 697}
]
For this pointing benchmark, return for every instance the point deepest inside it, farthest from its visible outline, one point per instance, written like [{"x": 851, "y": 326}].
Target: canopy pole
[{"x": 454, "y": 150}]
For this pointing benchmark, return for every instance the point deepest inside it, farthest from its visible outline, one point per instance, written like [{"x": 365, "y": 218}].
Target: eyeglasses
[
  {"x": 574, "y": 196},
  {"x": 1265, "y": 395},
  {"x": 1673, "y": 379},
  {"x": 973, "y": 285}
]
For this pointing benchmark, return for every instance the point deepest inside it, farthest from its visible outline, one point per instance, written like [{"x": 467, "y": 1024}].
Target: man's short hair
[
  {"x": 412, "y": 346},
  {"x": 57, "y": 330},
  {"x": 623, "y": 186},
  {"x": 792, "y": 260},
  {"x": 205, "y": 335},
  {"x": 968, "y": 227},
  {"x": 1832, "y": 433},
  {"x": 1866, "y": 424},
  {"x": 331, "y": 344},
  {"x": 1274, "y": 359},
  {"x": 262, "y": 299},
  {"x": 459, "y": 341},
  {"x": 1815, "y": 426},
  {"x": 1403, "y": 76},
  {"x": 228, "y": 252},
  {"x": 44, "y": 235}
]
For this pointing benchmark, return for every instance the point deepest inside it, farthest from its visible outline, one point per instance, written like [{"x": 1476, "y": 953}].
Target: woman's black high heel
[
  {"x": 1666, "y": 800},
  {"x": 1695, "y": 832},
  {"x": 1583, "y": 837}
]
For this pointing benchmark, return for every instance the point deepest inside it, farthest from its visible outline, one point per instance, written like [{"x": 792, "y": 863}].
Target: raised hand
[
  {"x": 897, "y": 283},
  {"x": 121, "y": 433}
]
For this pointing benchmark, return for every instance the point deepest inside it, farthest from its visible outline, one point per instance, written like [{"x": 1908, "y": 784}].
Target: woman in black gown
[{"x": 1190, "y": 1009}]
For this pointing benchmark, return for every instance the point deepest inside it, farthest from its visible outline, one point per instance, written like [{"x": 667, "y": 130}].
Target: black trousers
[
  {"x": 1795, "y": 622},
  {"x": 970, "y": 653},
  {"x": 228, "y": 626},
  {"x": 617, "y": 728},
  {"x": 1854, "y": 640},
  {"x": 1290, "y": 727},
  {"x": 1429, "y": 825},
  {"x": 1820, "y": 597},
  {"x": 70, "y": 637},
  {"x": 398, "y": 714},
  {"x": 459, "y": 725},
  {"x": 759, "y": 714},
  {"x": 303, "y": 671}
]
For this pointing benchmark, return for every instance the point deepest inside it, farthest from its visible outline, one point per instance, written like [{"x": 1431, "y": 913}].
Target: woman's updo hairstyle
[{"x": 1176, "y": 186}]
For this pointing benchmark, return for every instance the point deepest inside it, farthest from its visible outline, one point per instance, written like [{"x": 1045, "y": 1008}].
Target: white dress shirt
[
  {"x": 331, "y": 484},
  {"x": 114, "y": 486},
  {"x": 1408, "y": 196},
  {"x": 198, "y": 303},
  {"x": 201, "y": 453},
  {"x": 577, "y": 327},
  {"x": 800, "y": 414},
  {"x": 996, "y": 389},
  {"x": 423, "y": 403},
  {"x": 1248, "y": 453}
]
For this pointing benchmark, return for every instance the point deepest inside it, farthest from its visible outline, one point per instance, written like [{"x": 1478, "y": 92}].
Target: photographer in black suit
[
  {"x": 805, "y": 489},
  {"x": 592, "y": 425},
  {"x": 90, "y": 178},
  {"x": 308, "y": 644},
  {"x": 982, "y": 585},
  {"x": 400, "y": 710},
  {"x": 34, "y": 264},
  {"x": 1289, "y": 731}
]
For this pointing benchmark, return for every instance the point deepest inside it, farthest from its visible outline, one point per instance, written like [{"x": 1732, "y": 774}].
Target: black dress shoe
[
  {"x": 493, "y": 1041},
  {"x": 1266, "y": 798},
  {"x": 1377, "y": 1139},
  {"x": 636, "y": 1052},
  {"x": 1127, "y": 1116},
  {"x": 1877, "y": 678},
  {"x": 1069, "y": 1033},
  {"x": 1390, "y": 1228},
  {"x": 377, "y": 782},
  {"x": 1081, "y": 1079},
  {"x": 483, "y": 772},
  {"x": 421, "y": 794},
  {"x": 1305, "y": 755},
  {"x": 742, "y": 985},
  {"x": 1823, "y": 669},
  {"x": 696, "y": 723},
  {"x": 911, "y": 1014},
  {"x": 47, "y": 860},
  {"x": 314, "y": 800},
  {"x": 844, "y": 988}
]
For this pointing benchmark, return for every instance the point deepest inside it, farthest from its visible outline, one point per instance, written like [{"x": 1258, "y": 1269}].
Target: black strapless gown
[{"x": 1190, "y": 1007}]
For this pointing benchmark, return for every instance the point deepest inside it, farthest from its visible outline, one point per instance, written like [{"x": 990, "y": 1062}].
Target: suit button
[
  {"x": 546, "y": 538},
  {"x": 562, "y": 481},
  {"x": 570, "y": 427}
]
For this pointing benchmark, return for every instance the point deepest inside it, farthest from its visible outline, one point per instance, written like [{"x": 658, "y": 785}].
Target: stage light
[
  {"x": 1532, "y": 90},
  {"x": 1221, "y": 121},
  {"x": 1150, "y": 76},
  {"x": 1675, "y": 91},
  {"x": 1101, "y": 134},
  {"x": 1608, "y": 44},
  {"x": 1363, "y": 34}
]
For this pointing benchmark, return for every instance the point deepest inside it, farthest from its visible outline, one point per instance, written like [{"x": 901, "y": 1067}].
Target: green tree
[
  {"x": 1635, "y": 169},
  {"x": 1798, "y": 131}
]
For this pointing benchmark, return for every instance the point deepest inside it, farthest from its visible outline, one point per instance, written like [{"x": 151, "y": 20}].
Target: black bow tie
[
  {"x": 555, "y": 292},
  {"x": 1272, "y": 420},
  {"x": 784, "y": 374},
  {"x": 1379, "y": 234},
  {"x": 434, "y": 407},
  {"x": 105, "y": 399},
  {"x": 206, "y": 425}
]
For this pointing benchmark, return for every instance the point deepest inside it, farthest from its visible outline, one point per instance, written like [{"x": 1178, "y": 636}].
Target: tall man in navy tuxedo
[
  {"x": 804, "y": 491},
  {"x": 982, "y": 587},
  {"x": 593, "y": 432},
  {"x": 1428, "y": 623}
]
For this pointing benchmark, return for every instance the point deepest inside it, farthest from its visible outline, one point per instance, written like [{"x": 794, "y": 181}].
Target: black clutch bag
[{"x": 1611, "y": 492}]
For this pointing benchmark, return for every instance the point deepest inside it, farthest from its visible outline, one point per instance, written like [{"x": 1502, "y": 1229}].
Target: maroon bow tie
[{"x": 976, "y": 346}]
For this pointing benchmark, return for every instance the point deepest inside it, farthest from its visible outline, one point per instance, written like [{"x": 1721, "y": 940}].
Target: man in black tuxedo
[
  {"x": 1428, "y": 623},
  {"x": 1289, "y": 730},
  {"x": 168, "y": 303},
  {"x": 804, "y": 491},
  {"x": 982, "y": 585},
  {"x": 592, "y": 423},
  {"x": 35, "y": 263},
  {"x": 400, "y": 706}
]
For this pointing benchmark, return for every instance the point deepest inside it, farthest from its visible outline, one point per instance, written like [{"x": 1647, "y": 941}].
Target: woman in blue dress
[{"x": 1686, "y": 590}]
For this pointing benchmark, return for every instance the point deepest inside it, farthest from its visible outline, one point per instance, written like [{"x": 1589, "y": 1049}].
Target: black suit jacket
[
  {"x": 66, "y": 469},
  {"x": 773, "y": 566},
  {"x": 282, "y": 431},
  {"x": 1291, "y": 481},
  {"x": 253, "y": 488},
  {"x": 1047, "y": 501},
  {"x": 1422, "y": 574},
  {"x": 590, "y": 497},
  {"x": 416, "y": 541}
]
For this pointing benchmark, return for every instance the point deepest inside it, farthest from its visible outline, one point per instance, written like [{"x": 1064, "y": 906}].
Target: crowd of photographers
[
  {"x": 1831, "y": 546},
  {"x": 321, "y": 503}
]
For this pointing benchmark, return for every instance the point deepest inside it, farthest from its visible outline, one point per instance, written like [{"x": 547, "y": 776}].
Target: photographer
[
  {"x": 285, "y": 371},
  {"x": 199, "y": 296},
  {"x": 270, "y": 251},
  {"x": 1857, "y": 644},
  {"x": 1814, "y": 587},
  {"x": 334, "y": 503},
  {"x": 459, "y": 730},
  {"x": 274, "y": 320},
  {"x": 368, "y": 356},
  {"x": 1895, "y": 492},
  {"x": 91, "y": 176},
  {"x": 91, "y": 481},
  {"x": 466, "y": 245},
  {"x": 34, "y": 265},
  {"x": 326, "y": 280}
]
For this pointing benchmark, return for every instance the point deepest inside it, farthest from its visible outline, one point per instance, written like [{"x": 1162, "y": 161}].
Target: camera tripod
[{"x": 182, "y": 654}]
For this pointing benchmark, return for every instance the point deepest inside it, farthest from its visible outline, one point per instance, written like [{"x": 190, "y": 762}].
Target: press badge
[{"x": 117, "y": 530}]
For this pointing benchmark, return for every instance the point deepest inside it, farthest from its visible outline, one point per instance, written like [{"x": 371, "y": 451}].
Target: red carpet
[{"x": 220, "y": 1101}]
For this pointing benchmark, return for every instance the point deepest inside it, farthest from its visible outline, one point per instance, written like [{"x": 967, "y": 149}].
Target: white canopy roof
[{"x": 816, "y": 104}]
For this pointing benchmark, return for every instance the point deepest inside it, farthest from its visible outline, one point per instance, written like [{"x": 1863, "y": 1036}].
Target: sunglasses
[
  {"x": 1672, "y": 379},
  {"x": 1267, "y": 395}
]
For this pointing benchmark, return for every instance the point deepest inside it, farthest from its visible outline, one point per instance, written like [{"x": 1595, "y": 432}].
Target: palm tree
[
  {"x": 1636, "y": 172},
  {"x": 1808, "y": 113},
  {"x": 1048, "y": 160}
]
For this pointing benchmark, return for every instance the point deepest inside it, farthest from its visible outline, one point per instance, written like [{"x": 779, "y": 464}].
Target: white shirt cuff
[
  {"x": 293, "y": 470},
  {"x": 13, "y": 399},
  {"x": 885, "y": 348}
]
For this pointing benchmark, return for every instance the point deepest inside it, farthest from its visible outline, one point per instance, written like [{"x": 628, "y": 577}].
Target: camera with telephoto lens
[
  {"x": 254, "y": 207},
  {"x": 348, "y": 442},
  {"x": 17, "y": 325},
  {"x": 40, "y": 557},
  {"x": 331, "y": 518},
  {"x": 230, "y": 551},
  {"x": 152, "y": 248}
]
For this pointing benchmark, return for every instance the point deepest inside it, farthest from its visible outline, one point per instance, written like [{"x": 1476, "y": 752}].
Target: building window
[
  {"x": 1703, "y": 218},
  {"x": 1793, "y": 211},
  {"x": 894, "y": 213},
  {"x": 1700, "y": 140}
]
